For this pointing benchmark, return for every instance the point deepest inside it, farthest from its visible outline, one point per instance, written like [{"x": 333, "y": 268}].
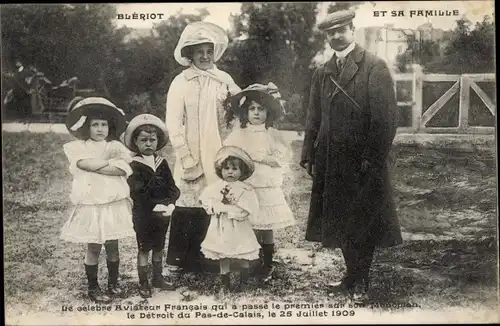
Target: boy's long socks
[{"x": 144, "y": 287}]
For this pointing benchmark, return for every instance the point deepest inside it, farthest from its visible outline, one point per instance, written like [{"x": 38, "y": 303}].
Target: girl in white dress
[
  {"x": 231, "y": 204},
  {"x": 257, "y": 107},
  {"x": 100, "y": 193}
]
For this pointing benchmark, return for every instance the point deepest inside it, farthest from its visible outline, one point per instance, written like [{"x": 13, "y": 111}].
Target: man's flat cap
[{"x": 337, "y": 19}]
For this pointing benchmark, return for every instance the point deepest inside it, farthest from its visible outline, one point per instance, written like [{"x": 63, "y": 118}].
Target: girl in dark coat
[{"x": 153, "y": 190}]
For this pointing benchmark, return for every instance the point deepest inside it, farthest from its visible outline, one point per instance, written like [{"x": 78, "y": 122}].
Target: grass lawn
[{"x": 446, "y": 203}]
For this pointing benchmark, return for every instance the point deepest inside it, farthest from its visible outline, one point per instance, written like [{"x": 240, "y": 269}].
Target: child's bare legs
[
  {"x": 91, "y": 261},
  {"x": 113, "y": 263},
  {"x": 142, "y": 270}
]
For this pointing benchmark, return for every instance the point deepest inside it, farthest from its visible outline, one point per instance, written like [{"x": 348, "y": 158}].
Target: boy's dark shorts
[{"x": 151, "y": 233}]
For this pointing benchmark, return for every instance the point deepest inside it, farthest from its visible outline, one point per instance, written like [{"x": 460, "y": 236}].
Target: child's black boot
[
  {"x": 158, "y": 279},
  {"x": 144, "y": 287},
  {"x": 113, "y": 272},
  {"x": 226, "y": 281},
  {"x": 244, "y": 276},
  {"x": 268, "y": 251},
  {"x": 94, "y": 291}
]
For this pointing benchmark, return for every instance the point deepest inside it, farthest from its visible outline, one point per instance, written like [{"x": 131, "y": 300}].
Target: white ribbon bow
[{"x": 79, "y": 123}]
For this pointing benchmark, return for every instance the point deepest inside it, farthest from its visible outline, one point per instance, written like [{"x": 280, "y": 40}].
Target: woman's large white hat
[{"x": 198, "y": 33}]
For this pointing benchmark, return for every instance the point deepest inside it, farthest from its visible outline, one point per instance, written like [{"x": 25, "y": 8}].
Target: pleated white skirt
[{"x": 99, "y": 223}]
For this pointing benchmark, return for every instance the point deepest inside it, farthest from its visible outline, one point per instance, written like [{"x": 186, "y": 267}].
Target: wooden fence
[{"x": 463, "y": 85}]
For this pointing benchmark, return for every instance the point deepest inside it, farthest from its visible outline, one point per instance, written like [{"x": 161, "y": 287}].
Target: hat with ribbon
[
  {"x": 336, "y": 19},
  {"x": 268, "y": 93},
  {"x": 198, "y": 33},
  {"x": 141, "y": 120},
  {"x": 94, "y": 108},
  {"x": 227, "y": 151}
]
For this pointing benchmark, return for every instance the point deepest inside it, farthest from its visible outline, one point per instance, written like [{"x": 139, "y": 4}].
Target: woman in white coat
[{"x": 195, "y": 123}]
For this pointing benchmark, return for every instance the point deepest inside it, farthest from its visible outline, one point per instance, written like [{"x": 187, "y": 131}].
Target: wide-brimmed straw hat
[
  {"x": 198, "y": 33},
  {"x": 141, "y": 120},
  {"x": 268, "y": 93},
  {"x": 94, "y": 108},
  {"x": 227, "y": 151}
]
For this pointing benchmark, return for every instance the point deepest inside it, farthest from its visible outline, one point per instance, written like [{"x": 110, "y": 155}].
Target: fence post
[
  {"x": 463, "y": 105},
  {"x": 417, "y": 107}
]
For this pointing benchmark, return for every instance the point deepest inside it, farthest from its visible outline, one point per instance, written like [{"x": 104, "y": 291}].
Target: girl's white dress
[
  {"x": 103, "y": 208},
  {"x": 261, "y": 143},
  {"x": 230, "y": 235}
]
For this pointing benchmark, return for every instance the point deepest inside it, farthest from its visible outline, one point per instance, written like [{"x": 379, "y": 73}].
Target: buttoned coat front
[
  {"x": 183, "y": 125},
  {"x": 348, "y": 206}
]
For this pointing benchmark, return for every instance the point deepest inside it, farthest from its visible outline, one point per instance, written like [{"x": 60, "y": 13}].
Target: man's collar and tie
[{"x": 342, "y": 55}]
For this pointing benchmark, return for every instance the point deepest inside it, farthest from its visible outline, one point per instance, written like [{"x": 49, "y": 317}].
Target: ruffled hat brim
[
  {"x": 227, "y": 151},
  {"x": 141, "y": 120},
  {"x": 198, "y": 33},
  {"x": 94, "y": 108},
  {"x": 269, "y": 93}
]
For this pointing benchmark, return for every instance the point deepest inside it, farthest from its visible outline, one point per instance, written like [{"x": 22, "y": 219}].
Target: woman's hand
[
  {"x": 192, "y": 174},
  {"x": 191, "y": 169},
  {"x": 188, "y": 162}
]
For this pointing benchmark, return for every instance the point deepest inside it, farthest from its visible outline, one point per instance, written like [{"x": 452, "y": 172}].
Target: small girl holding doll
[
  {"x": 257, "y": 107},
  {"x": 231, "y": 203},
  {"x": 100, "y": 193}
]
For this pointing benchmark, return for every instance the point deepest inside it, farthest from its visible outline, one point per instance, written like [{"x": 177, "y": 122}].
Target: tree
[
  {"x": 344, "y": 5},
  {"x": 420, "y": 52},
  {"x": 277, "y": 43},
  {"x": 146, "y": 66},
  {"x": 61, "y": 40},
  {"x": 467, "y": 51}
]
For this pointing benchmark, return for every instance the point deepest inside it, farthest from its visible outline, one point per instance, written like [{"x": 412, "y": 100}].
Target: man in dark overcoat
[{"x": 351, "y": 124}]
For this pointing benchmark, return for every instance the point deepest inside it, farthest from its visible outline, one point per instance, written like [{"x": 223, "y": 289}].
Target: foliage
[
  {"x": 61, "y": 40},
  {"x": 147, "y": 66},
  {"x": 467, "y": 51},
  {"x": 418, "y": 52},
  {"x": 268, "y": 42},
  {"x": 280, "y": 42},
  {"x": 343, "y": 5}
]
